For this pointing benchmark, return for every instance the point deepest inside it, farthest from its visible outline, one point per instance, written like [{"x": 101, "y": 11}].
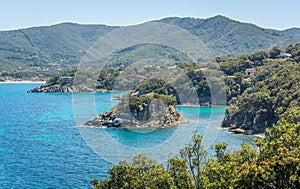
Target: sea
[{"x": 44, "y": 145}]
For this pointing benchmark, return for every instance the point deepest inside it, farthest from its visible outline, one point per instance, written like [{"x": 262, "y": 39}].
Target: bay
[{"x": 41, "y": 146}]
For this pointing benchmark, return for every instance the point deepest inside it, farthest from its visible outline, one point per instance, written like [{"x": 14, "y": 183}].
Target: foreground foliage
[{"x": 275, "y": 164}]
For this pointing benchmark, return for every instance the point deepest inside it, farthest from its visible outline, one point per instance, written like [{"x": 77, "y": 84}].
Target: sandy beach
[
  {"x": 21, "y": 82},
  {"x": 261, "y": 135}
]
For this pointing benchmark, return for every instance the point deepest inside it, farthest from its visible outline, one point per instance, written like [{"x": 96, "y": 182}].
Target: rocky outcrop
[
  {"x": 54, "y": 89},
  {"x": 240, "y": 124},
  {"x": 154, "y": 114},
  {"x": 64, "y": 89}
]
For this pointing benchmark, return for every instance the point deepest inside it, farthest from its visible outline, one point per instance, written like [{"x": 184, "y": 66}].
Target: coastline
[
  {"x": 134, "y": 127},
  {"x": 200, "y": 105},
  {"x": 260, "y": 135},
  {"x": 239, "y": 131},
  {"x": 21, "y": 82}
]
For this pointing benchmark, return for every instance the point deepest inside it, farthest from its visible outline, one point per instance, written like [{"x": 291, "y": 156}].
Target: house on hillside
[
  {"x": 7, "y": 77},
  {"x": 204, "y": 69},
  {"x": 234, "y": 77},
  {"x": 65, "y": 78},
  {"x": 284, "y": 56},
  {"x": 201, "y": 74},
  {"x": 172, "y": 67},
  {"x": 250, "y": 71}
]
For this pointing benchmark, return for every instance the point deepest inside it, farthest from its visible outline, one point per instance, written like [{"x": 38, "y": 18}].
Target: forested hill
[
  {"x": 273, "y": 93},
  {"x": 48, "y": 46},
  {"x": 63, "y": 45},
  {"x": 292, "y": 32},
  {"x": 229, "y": 37}
]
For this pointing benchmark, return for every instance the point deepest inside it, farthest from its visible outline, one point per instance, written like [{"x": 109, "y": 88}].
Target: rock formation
[{"x": 149, "y": 113}]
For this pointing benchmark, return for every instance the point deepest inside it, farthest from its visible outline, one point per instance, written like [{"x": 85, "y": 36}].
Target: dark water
[{"x": 41, "y": 147}]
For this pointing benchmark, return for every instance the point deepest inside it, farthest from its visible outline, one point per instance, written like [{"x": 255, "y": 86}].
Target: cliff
[{"x": 148, "y": 110}]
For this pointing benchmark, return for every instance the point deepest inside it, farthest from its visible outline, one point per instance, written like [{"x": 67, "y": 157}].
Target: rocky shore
[
  {"x": 154, "y": 114},
  {"x": 57, "y": 88}
]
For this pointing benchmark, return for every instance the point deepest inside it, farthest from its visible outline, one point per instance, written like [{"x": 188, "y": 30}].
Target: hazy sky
[{"x": 17, "y": 14}]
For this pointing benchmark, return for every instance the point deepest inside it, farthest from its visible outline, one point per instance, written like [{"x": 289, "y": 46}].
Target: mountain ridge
[
  {"x": 230, "y": 37},
  {"x": 63, "y": 44},
  {"x": 292, "y": 32}
]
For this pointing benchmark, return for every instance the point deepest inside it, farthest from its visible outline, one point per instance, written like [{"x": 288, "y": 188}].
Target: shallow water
[{"x": 41, "y": 147}]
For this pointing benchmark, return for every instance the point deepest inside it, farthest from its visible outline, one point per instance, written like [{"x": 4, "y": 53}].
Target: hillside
[
  {"x": 61, "y": 46},
  {"x": 292, "y": 32},
  {"x": 229, "y": 37},
  {"x": 272, "y": 92},
  {"x": 49, "y": 46}
]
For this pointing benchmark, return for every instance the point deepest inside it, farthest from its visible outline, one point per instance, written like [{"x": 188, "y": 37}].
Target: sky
[{"x": 16, "y": 14}]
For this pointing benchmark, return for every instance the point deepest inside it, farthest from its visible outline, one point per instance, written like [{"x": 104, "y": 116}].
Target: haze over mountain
[
  {"x": 64, "y": 44},
  {"x": 292, "y": 32},
  {"x": 49, "y": 45},
  {"x": 229, "y": 37}
]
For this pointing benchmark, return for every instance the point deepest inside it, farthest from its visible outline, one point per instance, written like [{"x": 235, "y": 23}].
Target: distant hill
[
  {"x": 62, "y": 45},
  {"x": 292, "y": 32},
  {"x": 229, "y": 37},
  {"x": 48, "y": 45}
]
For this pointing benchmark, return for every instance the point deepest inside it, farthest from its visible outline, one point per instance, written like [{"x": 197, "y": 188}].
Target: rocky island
[{"x": 141, "y": 109}]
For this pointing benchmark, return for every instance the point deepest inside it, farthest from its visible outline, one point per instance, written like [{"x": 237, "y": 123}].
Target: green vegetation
[
  {"x": 269, "y": 101},
  {"x": 136, "y": 53},
  {"x": 154, "y": 86},
  {"x": 274, "y": 165},
  {"x": 292, "y": 32},
  {"x": 228, "y": 37},
  {"x": 54, "y": 47},
  {"x": 148, "y": 105},
  {"x": 141, "y": 97},
  {"x": 47, "y": 50},
  {"x": 272, "y": 91},
  {"x": 256, "y": 101},
  {"x": 234, "y": 67},
  {"x": 30, "y": 74}
]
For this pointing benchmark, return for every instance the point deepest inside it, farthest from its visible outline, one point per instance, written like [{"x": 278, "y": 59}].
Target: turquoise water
[{"x": 41, "y": 146}]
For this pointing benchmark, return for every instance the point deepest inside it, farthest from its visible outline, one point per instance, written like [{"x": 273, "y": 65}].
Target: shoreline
[
  {"x": 21, "y": 82},
  {"x": 260, "y": 135},
  {"x": 242, "y": 132},
  {"x": 200, "y": 106},
  {"x": 136, "y": 127}
]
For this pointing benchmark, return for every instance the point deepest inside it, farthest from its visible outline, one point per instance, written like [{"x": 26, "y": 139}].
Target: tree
[
  {"x": 279, "y": 158},
  {"x": 274, "y": 52},
  {"x": 179, "y": 172},
  {"x": 276, "y": 164},
  {"x": 142, "y": 172},
  {"x": 194, "y": 155}
]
